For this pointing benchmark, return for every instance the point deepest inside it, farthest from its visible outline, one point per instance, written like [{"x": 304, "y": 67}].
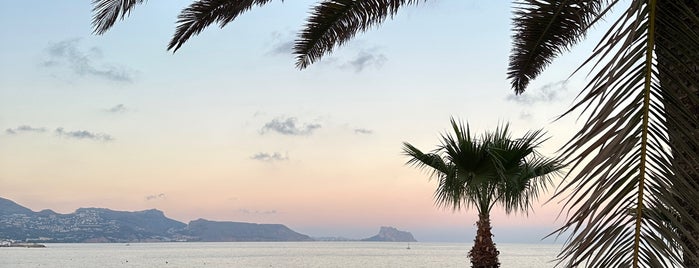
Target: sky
[{"x": 228, "y": 129}]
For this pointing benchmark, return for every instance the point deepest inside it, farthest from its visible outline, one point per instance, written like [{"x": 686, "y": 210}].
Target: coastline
[{"x": 22, "y": 245}]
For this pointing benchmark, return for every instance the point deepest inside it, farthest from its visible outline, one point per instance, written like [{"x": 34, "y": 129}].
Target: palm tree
[
  {"x": 481, "y": 173},
  {"x": 638, "y": 149}
]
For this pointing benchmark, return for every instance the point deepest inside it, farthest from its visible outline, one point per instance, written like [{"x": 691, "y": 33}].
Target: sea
[{"x": 270, "y": 254}]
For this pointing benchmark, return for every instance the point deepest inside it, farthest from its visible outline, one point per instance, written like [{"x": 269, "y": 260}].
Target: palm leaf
[
  {"x": 450, "y": 191},
  {"x": 545, "y": 29},
  {"x": 334, "y": 22},
  {"x": 202, "y": 13},
  {"x": 623, "y": 155},
  {"x": 494, "y": 169},
  {"x": 106, "y": 12}
]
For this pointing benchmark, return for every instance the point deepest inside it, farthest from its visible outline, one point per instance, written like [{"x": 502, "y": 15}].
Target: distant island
[
  {"x": 101, "y": 225},
  {"x": 390, "y": 234},
  {"x": 386, "y": 234}
]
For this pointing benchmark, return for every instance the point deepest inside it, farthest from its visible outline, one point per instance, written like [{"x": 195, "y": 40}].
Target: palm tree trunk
[
  {"x": 690, "y": 162},
  {"x": 484, "y": 254}
]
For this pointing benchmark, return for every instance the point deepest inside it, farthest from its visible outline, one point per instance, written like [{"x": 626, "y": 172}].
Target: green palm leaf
[
  {"x": 334, "y": 22},
  {"x": 545, "y": 29},
  {"x": 106, "y": 13},
  {"x": 485, "y": 171},
  {"x": 623, "y": 154},
  {"x": 202, "y": 13}
]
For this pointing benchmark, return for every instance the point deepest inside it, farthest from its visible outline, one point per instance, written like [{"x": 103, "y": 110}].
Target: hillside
[
  {"x": 106, "y": 225},
  {"x": 212, "y": 231}
]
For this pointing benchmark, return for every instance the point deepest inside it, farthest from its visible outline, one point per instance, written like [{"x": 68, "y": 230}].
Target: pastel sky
[{"x": 228, "y": 129}]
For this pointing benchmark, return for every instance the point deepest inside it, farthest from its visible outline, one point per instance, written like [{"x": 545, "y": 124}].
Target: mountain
[
  {"x": 390, "y": 234},
  {"x": 105, "y": 225},
  {"x": 85, "y": 225},
  {"x": 213, "y": 231},
  {"x": 8, "y": 207}
]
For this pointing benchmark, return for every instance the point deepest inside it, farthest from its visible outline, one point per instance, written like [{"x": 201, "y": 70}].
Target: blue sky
[{"x": 228, "y": 129}]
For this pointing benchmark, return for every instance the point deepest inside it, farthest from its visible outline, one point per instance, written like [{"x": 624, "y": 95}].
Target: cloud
[
  {"x": 84, "y": 62},
  {"x": 363, "y": 131},
  {"x": 267, "y": 157},
  {"x": 83, "y": 134},
  {"x": 61, "y": 132},
  {"x": 258, "y": 212},
  {"x": 152, "y": 197},
  {"x": 286, "y": 48},
  {"x": 364, "y": 59},
  {"x": 119, "y": 108},
  {"x": 525, "y": 115},
  {"x": 288, "y": 126},
  {"x": 24, "y": 129},
  {"x": 546, "y": 94},
  {"x": 282, "y": 44}
]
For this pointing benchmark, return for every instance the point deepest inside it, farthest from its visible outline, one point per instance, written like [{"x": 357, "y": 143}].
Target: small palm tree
[{"x": 481, "y": 173}]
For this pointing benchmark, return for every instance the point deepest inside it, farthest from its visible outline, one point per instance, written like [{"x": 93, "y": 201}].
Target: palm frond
[
  {"x": 202, "y": 13},
  {"x": 106, "y": 12},
  {"x": 527, "y": 174},
  {"x": 450, "y": 190},
  {"x": 493, "y": 169},
  {"x": 545, "y": 29},
  {"x": 624, "y": 156},
  {"x": 334, "y": 22}
]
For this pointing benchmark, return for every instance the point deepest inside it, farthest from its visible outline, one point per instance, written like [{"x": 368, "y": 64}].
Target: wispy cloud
[
  {"x": 61, "y": 132},
  {"x": 119, "y": 108},
  {"x": 285, "y": 48},
  {"x": 281, "y": 43},
  {"x": 363, "y": 131},
  {"x": 258, "y": 212},
  {"x": 546, "y": 94},
  {"x": 83, "y": 62},
  {"x": 288, "y": 126},
  {"x": 24, "y": 129},
  {"x": 267, "y": 157},
  {"x": 83, "y": 135},
  {"x": 155, "y": 196},
  {"x": 525, "y": 115},
  {"x": 366, "y": 58}
]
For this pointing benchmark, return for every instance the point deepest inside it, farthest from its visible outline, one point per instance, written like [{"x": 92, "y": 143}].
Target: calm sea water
[{"x": 261, "y": 254}]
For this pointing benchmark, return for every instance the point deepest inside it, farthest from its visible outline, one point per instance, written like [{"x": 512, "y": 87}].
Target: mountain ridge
[
  {"x": 96, "y": 225},
  {"x": 100, "y": 225}
]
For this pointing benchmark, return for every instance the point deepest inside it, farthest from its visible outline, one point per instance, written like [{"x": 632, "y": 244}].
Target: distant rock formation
[
  {"x": 390, "y": 234},
  {"x": 214, "y": 231},
  {"x": 101, "y": 225}
]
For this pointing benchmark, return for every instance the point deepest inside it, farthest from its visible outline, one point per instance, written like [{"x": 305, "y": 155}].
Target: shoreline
[{"x": 22, "y": 245}]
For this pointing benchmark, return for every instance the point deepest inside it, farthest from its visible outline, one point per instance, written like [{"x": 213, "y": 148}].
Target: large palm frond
[
  {"x": 450, "y": 190},
  {"x": 526, "y": 172},
  {"x": 678, "y": 56},
  {"x": 191, "y": 21},
  {"x": 524, "y": 187},
  {"x": 202, "y": 13},
  {"x": 106, "y": 12},
  {"x": 545, "y": 29},
  {"x": 334, "y": 22},
  {"x": 623, "y": 155}
]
